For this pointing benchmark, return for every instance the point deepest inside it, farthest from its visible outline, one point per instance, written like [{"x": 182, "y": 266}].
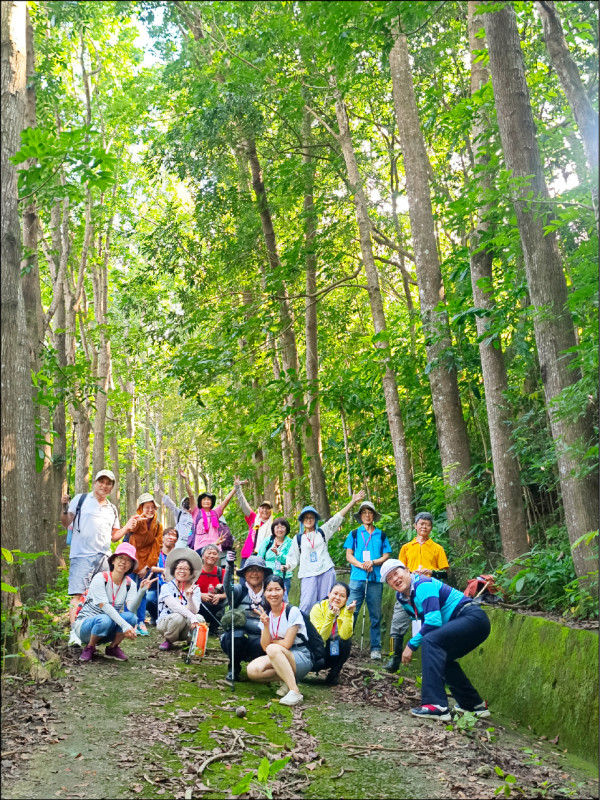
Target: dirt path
[{"x": 146, "y": 728}]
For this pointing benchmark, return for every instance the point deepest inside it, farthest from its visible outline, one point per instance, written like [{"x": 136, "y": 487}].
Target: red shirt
[{"x": 207, "y": 579}]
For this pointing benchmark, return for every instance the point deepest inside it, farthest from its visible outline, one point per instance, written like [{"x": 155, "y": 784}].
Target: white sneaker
[
  {"x": 375, "y": 655},
  {"x": 74, "y": 640},
  {"x": 291, "y": 699},
  {"x": 282, "y": 691}
]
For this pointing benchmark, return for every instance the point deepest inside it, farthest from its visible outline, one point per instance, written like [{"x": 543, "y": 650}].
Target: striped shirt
[{"x": 431, "y": 601}]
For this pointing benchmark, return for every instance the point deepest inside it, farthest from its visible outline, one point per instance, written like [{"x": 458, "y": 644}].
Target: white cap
[
  {"x": 105, "y": 473},
  {"x": 389, "y": 566}
]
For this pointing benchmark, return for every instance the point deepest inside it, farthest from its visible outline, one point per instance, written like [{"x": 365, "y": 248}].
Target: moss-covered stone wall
[{"x": 542, "y": 674}]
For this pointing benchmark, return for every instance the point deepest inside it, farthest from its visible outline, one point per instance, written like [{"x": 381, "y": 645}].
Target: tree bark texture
[
  {"x": 390, "y": 388},
  {"x": 507, "y": 476},
  {"x": 19, "y": 479},
  {"x": 450, "y": 425},
  {"x": 286, "y": 453},
  {"x": 585, "y": 114},
  {"x": 553, "y": 325},
  {"x": 312, "y": 430}
]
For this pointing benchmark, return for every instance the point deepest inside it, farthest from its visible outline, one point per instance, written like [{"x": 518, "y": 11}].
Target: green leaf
[
  {"x": 6, "y": 587},
  {"x": 243, "y": 785},
  {"x": 510, "y": 779},
  {"x": 499, "y": 771},
  {"x": 519, "y": 584},
  {"x": 278, "y": 765},
  {"x": 7, "y": 555},
  {"x": 263, "y": 770}
]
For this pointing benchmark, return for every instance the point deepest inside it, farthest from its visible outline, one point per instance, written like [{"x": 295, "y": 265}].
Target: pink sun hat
[{"x": 125, "y": 549}]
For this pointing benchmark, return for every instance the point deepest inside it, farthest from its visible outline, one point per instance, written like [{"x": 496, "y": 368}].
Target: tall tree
[
  {"x": 507, "y": 478},
  {"x": 450, "y": 425},
  {"x": 553, "y": 324},
  {"x": 585, "y": 114}
]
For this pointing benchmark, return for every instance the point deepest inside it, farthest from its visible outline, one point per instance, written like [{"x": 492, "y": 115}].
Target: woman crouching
[
  {"x": 180, "y": 599},
  {"x": 283, "y": 638},
  {"x": 334, "y": 621}
]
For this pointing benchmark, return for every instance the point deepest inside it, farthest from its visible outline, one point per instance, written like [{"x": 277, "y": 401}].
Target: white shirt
[
  {"x": 183, "y": 525},
  {"x": 279, "y": 625},
  {"x": 112, "y": 598},
  {"x": 314, "y": 543},
  {"x": 92, "y": 531}
]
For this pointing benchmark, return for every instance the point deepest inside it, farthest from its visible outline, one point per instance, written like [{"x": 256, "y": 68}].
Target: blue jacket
[{"x": 431, "y": 601}]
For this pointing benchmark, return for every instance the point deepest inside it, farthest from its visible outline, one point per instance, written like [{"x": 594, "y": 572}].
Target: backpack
[
  {"x": 78, "y": 514},
  {"x": 354, "y": 535},
  {"x": 299, "y": 540},
  {"x": 222, "y": 530},
  {"x": 83, "y": 597},
  {"x": 314, "y": 642}
]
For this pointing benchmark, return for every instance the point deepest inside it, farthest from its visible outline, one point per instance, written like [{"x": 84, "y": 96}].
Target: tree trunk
[
  {"x": 83, "y": 452},
  {"x": 312, "y": 428},
  {"x": 291, "y": 366},
  {"x": 286, "y": 453},
  {"x": 346, "y": 449},
  {"x": 507, "y": 476},
  {"x": 553, "y": 325},
  {"x": 113, "y": 451},
  {"x": 19, "y": 480},
  {"x": 450, "y": 425},
  {"x": 390, "y": 387},
  {"x": 131, "y": 487},
  {"x": 585, "y": 114}
]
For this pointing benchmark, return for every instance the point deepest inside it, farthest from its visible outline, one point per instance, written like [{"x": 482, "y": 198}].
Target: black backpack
[
  {"x": 299, "y": 539},
  {"x": 354, "y": 535},
  {"x": 314, "y": 642}
]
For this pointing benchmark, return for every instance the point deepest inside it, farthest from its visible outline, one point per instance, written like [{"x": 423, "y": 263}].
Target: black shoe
[
  {"x": 233, "y": 676},
  {"x": 332, "y": 680},
  {"x": 393, "y": 665}
]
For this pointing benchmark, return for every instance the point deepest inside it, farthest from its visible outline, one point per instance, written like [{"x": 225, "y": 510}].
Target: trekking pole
[
  {"x": 70, "y": 533},
  {"x": 362, "y": 633},
  {"x": 231, "y": 586}
]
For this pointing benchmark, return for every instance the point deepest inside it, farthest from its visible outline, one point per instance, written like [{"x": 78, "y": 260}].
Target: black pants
[
  {"x": 440, "y": 650},
  {"x": 246, "y": 648},
  {"x": 335, "y": 663},
  {"x": 212, "y": 613}
]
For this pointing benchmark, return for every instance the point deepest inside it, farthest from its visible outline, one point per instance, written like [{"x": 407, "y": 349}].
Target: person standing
[
  {"x": 367, "y": 548},
  {"x": 425, "y": 557},
  {"x": 275, "y": 549},
  {"x": 259, "y": 522},
  {"x": 146, "y": 536},
  {"x": 96, "y": 526},
  {"x": 205, "y": 515},
  {"x": 184, "y": 521},
  {"x": 447, "y": 626},
  {"x": 169, "y": 543},
  {"x": 309, "y": 549}
]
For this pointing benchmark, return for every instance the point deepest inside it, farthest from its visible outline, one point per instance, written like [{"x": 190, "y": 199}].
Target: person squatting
[{"x": 175, "y": 576}]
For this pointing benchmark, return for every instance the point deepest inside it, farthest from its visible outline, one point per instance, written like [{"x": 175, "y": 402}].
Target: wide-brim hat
[
  {"x": 183, "y": 554},
  {"x": 125, "y": 549},
  {"x": 211, "y": 497},
  {"x": 256, "y": 561},
  {"x": 146, "y": 497},
  {"x": 371, "y": 507}
]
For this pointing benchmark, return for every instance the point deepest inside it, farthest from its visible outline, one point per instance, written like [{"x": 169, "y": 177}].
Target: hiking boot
[
  {"x": 375, "y": 655},
  {"x": 142, "y": 629},
  {"x": 432, "y": 712},
  {"x": 393, "y": 665},
  {"x": 165, "y": 645},
  {"x": 291, "y": 699},
  {"x": 115, "y": 652},
  {"x": 480, "y": 710},
  {"x": 233, "y": 675},
  {"x": 282, "y": 691},
  {"x": 87, "y": 653},
  {"x": 74, "y": 640}
]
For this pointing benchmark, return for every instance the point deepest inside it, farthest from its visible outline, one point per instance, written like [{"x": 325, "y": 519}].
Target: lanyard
[
  {"x": 275, "y": 634},
  {"x": 312, "y": 544},
  {"x": 112, "y": 589},
  {"x": 334, "y": 629},
  {"x": 181, "y": 595},
  {"x": 366, "y": 544}
]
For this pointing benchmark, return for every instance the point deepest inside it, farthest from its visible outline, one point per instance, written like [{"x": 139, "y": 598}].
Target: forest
[{"x": 323, "y": 246}]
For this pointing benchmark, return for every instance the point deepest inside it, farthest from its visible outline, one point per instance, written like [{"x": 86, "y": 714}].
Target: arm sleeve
[
  {"x": 237, "y": 589},
  {"x": 442, "y": 560},
  {"x": 169, "y": 503},
  {"x": 98, "y": 592},
  {"x": 293, "y": 555},
  {"x": 195, "y": 601},
  {"x": 429, "y": 599},
  {"x": 134, "y": 597},
  {"x": 322, "y": 619},
  {"x": 403, "y": 553},
  {"x": 263, "y": 548},
  {"x": 332, "y": 525},
  {"x": 242, "y": 502},
  {"x": 345, "y": 624},
  {"x": 177, "y": 608}
]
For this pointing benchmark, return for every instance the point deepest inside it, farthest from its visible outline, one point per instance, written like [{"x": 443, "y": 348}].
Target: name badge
[
  {"x": 313, "y": 557},
  {"x": 278, "y": 565},
  {"x": 334, "y": 647},
  {"x": 416, "y": 626},
  {"x": 366, "y": 555}
]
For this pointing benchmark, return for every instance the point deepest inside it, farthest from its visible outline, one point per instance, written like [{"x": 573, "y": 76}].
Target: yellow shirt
[
  {"x": 428, "y": 555},
  {"x": 323, "y": 618}
]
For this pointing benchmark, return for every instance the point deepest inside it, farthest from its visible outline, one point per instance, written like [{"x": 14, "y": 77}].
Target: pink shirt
[{"x": 202, "y": 537}]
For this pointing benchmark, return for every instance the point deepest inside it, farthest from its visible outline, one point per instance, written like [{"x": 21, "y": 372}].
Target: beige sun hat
[
  {"x": 185, "y": 554},
  {"x": 146, "y": 497}
]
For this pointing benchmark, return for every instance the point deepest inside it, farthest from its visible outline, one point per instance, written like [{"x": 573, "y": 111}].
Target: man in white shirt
[{"x": 96, "y": 526}]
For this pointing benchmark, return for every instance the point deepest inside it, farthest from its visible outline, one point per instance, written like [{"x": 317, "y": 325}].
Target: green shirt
[{"x": 273, "y": 561}]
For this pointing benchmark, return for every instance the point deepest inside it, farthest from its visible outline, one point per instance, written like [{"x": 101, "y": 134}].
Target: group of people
[{"x": 177, "y": 577}]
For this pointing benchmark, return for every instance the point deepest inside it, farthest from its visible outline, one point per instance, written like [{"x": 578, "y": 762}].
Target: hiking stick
[
  {"x": 485, "y": 585},
  {"x": 232, "y": 630},
  {"x": 71, "y": 460}
]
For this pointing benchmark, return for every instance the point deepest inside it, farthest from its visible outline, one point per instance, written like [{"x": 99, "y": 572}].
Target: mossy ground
[{"x": 110, "y": 708}]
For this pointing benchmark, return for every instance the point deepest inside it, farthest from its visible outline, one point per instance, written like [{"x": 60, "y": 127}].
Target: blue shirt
[
  {"x": 431, "y": 601},
  {"x": 371, "y": 542}
]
